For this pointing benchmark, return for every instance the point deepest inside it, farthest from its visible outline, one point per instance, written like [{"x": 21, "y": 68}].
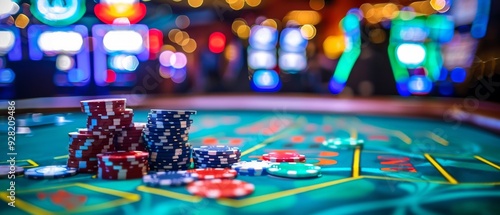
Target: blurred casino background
[{"x": 427, "y": 48}]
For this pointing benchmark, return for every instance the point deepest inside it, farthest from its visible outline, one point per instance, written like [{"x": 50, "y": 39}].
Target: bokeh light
[
  {"x": 7, "y": 41},
  {"x": 265, "y": 80},
  {"x": 178, "y": 60},
  {"x": 334, "y": 46},
  {"x": 61, "y": 42},
  {"x": 253, "y": 3},
  {"x": 64, "y": 62},
  {"x": 410, "y": 54},
  {"x": 317, "y": 4},
  {"x": 458, "y": 75},
  {"x": 263, "y": 37},
  {"x": 182, "y": 21},
  {"x": 165, "y": 58},
  {"x": 190, "y": 46},
  {"x": 195, "y": 3},
  {"x": 22, "y": 21},
  {"x": 419, "y": 85},
  {"x": 308, "y": 31},
  {"x": 123, "y": 40},
  {"x": 7, "y": 76},
  {"x": 217, "y": 42}
]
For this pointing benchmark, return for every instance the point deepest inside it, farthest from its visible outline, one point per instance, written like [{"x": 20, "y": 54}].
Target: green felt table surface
[{"x": 406, "y": 166}]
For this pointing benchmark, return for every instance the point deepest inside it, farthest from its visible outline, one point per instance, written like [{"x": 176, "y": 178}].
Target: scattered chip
[
  {"x": 280, "y": 156},
  {"x": 214, "y": 173},
  {"x": 50, "y": 172},
  {"x": 342, "y": 143},
  {"x": 220, "y": 188},
  {"x": 294, "y": 170},
  {"x": 174, "y": 178},
  {"x": 252, "y": 168}
]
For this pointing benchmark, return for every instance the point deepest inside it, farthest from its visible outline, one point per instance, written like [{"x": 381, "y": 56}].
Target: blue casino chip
[
  {"x": 216, "y": 150},
  {"x": 252, "y": 168},
  {"x": 172, "y": 112},
  {"x": 50, "y": 172},
  {"x": 177, "y": 178}
]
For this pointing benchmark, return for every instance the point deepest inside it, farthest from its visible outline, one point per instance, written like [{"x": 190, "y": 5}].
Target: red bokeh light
[
  {"x": 110, "y": 76},
  {"x": 217, "y": 42}
]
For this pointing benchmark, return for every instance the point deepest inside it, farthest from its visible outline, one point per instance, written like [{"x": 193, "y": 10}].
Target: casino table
[{"x": 420, "y": 156}]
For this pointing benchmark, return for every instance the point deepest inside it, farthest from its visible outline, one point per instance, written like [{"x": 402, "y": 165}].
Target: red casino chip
[
  {"x": 116, "y": 101},
  {"x": 213, "y": 173},
  {"x": 123, "y": 155},
  {"x": 279, "y": 156},
  {"x": 220, "y": 188},
  {"x": 97, "y": 133},
  {"x": 123, "y": 174}
]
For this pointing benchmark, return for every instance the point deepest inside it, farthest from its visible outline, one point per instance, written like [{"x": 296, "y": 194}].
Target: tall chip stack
[
  {"x": 166, "y": 136},
  {"x": 110, "y": 127}
]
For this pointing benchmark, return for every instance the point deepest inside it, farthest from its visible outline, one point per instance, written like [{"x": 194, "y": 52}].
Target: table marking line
[
  {"x": 282, "y": 133},
  {"x": 436, "y": 138},
  {"x": 273, "y": 196},
  {"x": 356, "y": 162},
  {"x": 484, "y": 160},
  {"x": 403, "y": 179},
  {"x": 440, "y": 169},
  {"x": 397, "y": 133},
  {"x": 170, "y": 194},
  {"x": 61, "y": 157},
  {"x": 353, "y": 133}
]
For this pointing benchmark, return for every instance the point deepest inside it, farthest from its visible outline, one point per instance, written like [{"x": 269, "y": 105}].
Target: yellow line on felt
[
  {"x": 126, "y": 195},
  {"x": 301, "y": 120},
  {"x": 25, "y": 206},
  {"x": 487, "y": 162},
  {"x": 170, "y": 194},
  {"x": 61, "y": 157},
  {"x": 440, "y": 169},
  {"x": 353, "y": 133},
  {"x": 272, "y": 196},
  {"x": 33, "y": 163},
  {"x": 45, "y": 188},
  {"x": 403, "y": 179},
  {"x": 402, "y": 136},
  {"x": 437, "y": 138},
  {"x": 355, "y": 162}
]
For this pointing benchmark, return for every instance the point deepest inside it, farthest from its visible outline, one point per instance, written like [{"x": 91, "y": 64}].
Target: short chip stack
[
  {"x": 166, "y": 136},
  {"x": 218, "y": 156},
  {"x": 84, "y": 146},
  {"x": 122, "y": 165}
]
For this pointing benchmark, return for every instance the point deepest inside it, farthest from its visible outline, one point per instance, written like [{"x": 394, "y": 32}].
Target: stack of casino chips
[
  {"x": 217, "y": 156},
  {"x": 166, "y": 136},
  {"x": 122, "y": 165},
  {"x": 84, "y": 146},
  {"x": 107, "y": 120}
]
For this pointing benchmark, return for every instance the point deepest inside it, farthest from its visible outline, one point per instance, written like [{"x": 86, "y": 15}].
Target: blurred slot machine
[
  {"x": 60, "y": 41},
  {"x": 350, "y": 25},
  {"x": 120, "y": 44},
  {"x": 292, "y": 53},
  {"x": 470, "y": 22},
  {"x": 10, "y": 44},
  {"x": 414, "y": 50},
  {"x": 262, "y": 59}
]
